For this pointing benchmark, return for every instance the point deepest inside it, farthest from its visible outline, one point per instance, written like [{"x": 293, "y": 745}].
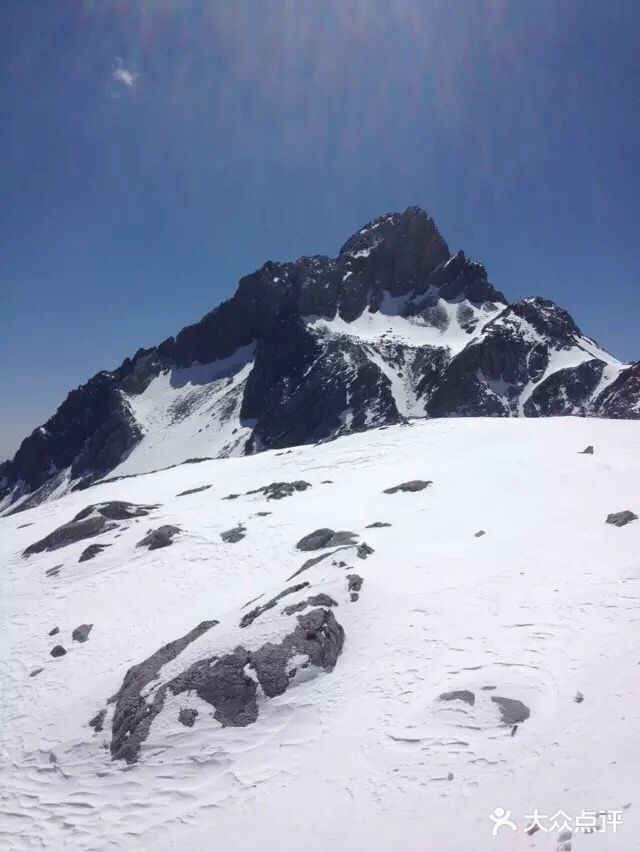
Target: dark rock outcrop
[
  {"x": 459, "y": 695},
  {"x": 234, "y": 535},
  {"x": 92, "y": 551},
  {"x": 133, "y": 715},
  {"x": 81, "y": 633},
  {"x": 325, "y": 537},
  {"x": 193, "y": 490},
  {"x": 411, "y": 486},
  {"x": 75, "y": 530},
  {"x": 223, "y": 681},
  {"x": 161, "y": 537},
  {"x": 93, "y": 520},
  {"x": 512, "y": 711},
  {"x": 58, "y": 651},
  {"x": 620, "y": 519},
  {"x": 280, "y": 490},
  {"x": 187, "y": 716},
  {"x": 251, "y": 616}
]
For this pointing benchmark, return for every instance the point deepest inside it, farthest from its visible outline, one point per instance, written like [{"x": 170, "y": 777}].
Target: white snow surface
[
  {"x": 190, "y": 413},
  {"x": 367, "y": 756}
]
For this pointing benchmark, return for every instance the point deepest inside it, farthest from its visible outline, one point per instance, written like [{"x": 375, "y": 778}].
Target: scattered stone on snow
[
  {"x": 187, "y": 716},
  {"x": 116, "y": 510},
  {"x": 91, "y": 551},
  {"x": 193, "y": 490},
  {"x": 53, "y": 572},
  {"x": 480, "y": 533},
  {"x": 161, "y": 537},
  {"x": 459, "y": 695},
  {"x": 578, "y": 697},
  {"x": 325, "y": 537},
  {"x": 93, "y": 520},
  {"x": 377, "y": 525},
  {"x": 354, "y": 582},
  {"x": 280, "y": 490},
  {"x": 54, "y": 631},
  {"x": 250, "y": 617},
  {"x": 364, "y": 550},
  {"x": 315, "y": 559},
  {"x": 75, "y": 530},
  {"x": 58, "y": 651},
  {"x": 36, "y": 671},
  {"x": 314, "y": 600},
  {"x": 98, "y": 721},
  {"x": 620, "y": 519},
  {"x": 411, "y": 486},
  {"x": 81, "y": 633},
  {"x": 234, "y": 535},
  {"x": 512, "y": 711},
  {"x": 588, "y": 451}
]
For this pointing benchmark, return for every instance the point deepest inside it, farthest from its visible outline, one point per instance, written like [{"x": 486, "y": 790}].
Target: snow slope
[{"x": 542, "y": 606}]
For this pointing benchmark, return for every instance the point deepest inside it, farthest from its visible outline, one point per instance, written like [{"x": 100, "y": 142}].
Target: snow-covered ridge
[{"x": 394, "y": 326}]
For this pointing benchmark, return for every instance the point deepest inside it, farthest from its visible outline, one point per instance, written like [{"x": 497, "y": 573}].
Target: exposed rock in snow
[
  {"x": 161, "y": 537},
  {"x": 54, "y": 631},
  {"x": 187, "y": 716},
  {"x": 91, "y": 551},
  {"x": 75, "y": 530},
  {"x": 459, "y": 695},
  {"x": 234, "y": 535},
  {"x": 588, "y": 451},
  {"x": 81, "y": 633},
  {"x": 512, "y": 711},
  {"x": 250, "y": 617},
  {"x": 279, "y": 490},
  {"x": 193, "y": 490},
  {"x": 620, "y": 519},
  {"x": 58, "y": 651},
  {"x": 411, "y": 486},
  {"x": 325, "y": 537}
]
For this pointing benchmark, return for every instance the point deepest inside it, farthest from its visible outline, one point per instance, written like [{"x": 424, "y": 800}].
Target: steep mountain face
[{"x": 394, "y": 327}]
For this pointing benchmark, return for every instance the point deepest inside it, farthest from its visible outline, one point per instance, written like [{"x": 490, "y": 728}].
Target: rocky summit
[{"x": 395, "y": 327}]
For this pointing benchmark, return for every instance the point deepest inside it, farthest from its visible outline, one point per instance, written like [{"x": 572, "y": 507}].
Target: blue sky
[{"x": 153, "y": 152}]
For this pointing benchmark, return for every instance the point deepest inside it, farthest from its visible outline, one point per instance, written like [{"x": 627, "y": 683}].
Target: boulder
[
  {"x": 81, "y": 633},
  {"x": 325, "y": 537},
  {"x": 161, "y": 537},
  {"x": 620, "y": 519},
  {"x": 234, "y": 535},
  {"x": 58, "y": 651},
  {"x": 411, "y": 486}
]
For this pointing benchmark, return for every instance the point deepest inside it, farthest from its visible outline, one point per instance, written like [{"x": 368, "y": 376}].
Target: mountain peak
[{"x": 394, "y": 327}]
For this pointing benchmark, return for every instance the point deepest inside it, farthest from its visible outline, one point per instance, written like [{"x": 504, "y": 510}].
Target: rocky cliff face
[{"x": 395, "y": 326}]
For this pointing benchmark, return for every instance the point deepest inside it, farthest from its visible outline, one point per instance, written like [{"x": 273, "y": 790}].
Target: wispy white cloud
[{"x": 123, "y": 75}]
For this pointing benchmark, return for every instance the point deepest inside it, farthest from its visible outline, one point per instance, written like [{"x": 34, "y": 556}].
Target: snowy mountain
[
  {"x": 395, "y": 327},
  {"x": 398, "y": 639}
]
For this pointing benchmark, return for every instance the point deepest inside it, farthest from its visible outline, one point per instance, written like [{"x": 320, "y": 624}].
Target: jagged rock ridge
[{"x": 395, "y": 326}]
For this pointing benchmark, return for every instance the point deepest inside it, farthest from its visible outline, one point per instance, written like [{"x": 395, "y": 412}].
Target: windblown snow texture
[
  {"x": 394, "y": 327},
  {"x": 411, "y": 679}
]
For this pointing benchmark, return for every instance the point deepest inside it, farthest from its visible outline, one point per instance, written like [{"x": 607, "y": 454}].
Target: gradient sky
[{"x": 153, "y": 152}]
